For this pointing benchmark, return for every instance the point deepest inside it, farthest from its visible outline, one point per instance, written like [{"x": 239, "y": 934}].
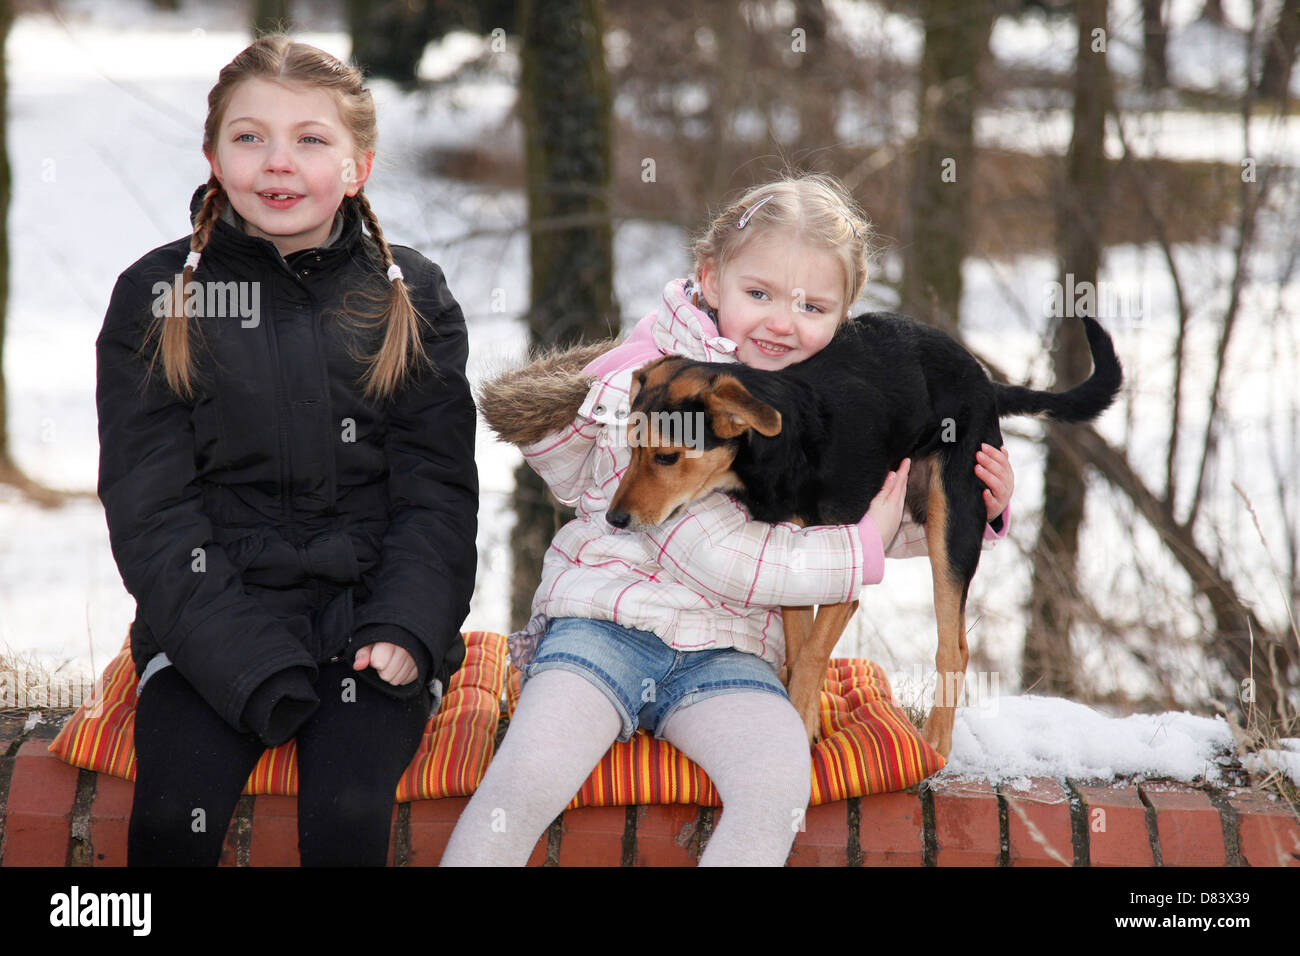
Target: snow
[
  {"x": 1284, "y": 761},
  {"x": 106, "y": 108},
  {"x": 1012, "y": 739}
]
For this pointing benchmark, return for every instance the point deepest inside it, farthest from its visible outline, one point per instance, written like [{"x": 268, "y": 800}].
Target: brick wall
[{"x": 52, "y": 814}]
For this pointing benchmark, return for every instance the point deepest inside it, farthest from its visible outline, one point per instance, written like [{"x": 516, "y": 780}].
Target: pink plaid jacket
[{"x": 710, "y": 578}]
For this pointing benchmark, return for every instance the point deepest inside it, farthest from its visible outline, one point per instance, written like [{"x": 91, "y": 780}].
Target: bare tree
[
  {"x": 1048, "y": 659},
  {"x": 1212, "y": 10},
  {"x": 389, "y": 36},
  {"x": 1155, "y": 63},
  {"x": 1279, "y": 52},
  {"x": 937, "y": 231},
  {"x": 10, "y": 473},
  {"x": 6, "y": 182},
  {"x": 271, "y": 16},
  {"x": 565, "y": 103}
]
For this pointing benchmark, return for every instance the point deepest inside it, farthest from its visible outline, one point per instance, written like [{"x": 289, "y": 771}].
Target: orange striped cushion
[
  {"x": 451, "y": 760},
  {"x": 867, "y": 745}
]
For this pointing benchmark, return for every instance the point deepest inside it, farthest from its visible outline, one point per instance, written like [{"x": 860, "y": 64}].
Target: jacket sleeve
[
  {"x": 187, "y": 591},
  {"x": 717, "y": 549},
  {"x": 427, "y": 564},
  {"x": 565, "y": 460}
]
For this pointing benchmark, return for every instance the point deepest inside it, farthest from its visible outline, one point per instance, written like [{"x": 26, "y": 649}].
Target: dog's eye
[{"x": 667, "y": 458}]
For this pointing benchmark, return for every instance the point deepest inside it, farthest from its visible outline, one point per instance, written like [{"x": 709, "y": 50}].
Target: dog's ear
[{"x": 735, "y": 411}]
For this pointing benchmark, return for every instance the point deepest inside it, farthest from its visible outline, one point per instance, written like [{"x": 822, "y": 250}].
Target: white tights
[{"x": 751, "y": 744}]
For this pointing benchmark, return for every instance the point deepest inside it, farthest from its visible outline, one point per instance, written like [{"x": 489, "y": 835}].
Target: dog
[{"x": 812, "y": 444}]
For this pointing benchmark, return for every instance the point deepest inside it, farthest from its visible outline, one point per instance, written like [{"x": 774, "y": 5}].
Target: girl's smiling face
[
  {"x": 286, "y": 161},
  {"x": 779, "y": 299}
]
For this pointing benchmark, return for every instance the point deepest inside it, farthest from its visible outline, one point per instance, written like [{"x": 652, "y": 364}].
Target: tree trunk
[
  {"x": 1048, "y": 660},
  {"x": 817, "y": 109},
  {"x": 271, "y": 16},
  {"x": 1155, "y": 63},
  {"x": 956, "y": 38},
  {"x": 564, "y": 100},
  {"x": 1279, "y": 54},
  {"x": 389, "y": 36},
  {"x": 1212, "y": 10},
  {"x": 6, "y": 18}
]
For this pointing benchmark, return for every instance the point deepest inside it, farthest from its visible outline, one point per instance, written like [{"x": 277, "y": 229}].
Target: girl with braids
[{"x": 289, "y": 485}]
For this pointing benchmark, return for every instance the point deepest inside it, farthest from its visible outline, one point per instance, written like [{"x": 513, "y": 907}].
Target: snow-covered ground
[{"x": 106, "y": 107}]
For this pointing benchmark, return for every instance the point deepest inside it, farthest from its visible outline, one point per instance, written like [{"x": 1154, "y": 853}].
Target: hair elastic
[
  {"x": 744, "y": 220},
  {"x": 394, "y": 273},
  {"x": 192, "y": 260}
]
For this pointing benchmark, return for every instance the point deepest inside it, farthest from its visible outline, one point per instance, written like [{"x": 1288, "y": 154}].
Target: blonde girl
[{"x": 678, "y": 629}]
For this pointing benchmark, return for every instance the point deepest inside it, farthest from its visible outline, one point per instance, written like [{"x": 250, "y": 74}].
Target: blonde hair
[
  {"x": 815, "y": 207},
  {"x": 278, "y": 57}
]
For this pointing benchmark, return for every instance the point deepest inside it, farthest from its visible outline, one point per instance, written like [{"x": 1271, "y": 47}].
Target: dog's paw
[{"x": 937, "y": 732}]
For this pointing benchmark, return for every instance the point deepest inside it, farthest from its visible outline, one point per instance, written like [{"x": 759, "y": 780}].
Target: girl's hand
[
  {"x": 993, "y": 467},
  {"x": 393, "y": 663},
  {"x": 886, "y": 508}
]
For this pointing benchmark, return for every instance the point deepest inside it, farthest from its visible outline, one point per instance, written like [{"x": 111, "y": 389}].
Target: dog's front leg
[
  {"x": 797, "y": 622},
  {"x": 808, "y": 672}
]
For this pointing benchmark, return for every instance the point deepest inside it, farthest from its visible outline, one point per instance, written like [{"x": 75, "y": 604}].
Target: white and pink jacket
[{"x": 710, "y": 578}]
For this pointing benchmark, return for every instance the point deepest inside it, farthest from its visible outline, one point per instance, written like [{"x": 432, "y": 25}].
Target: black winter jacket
[{"x": 279, "y": 519}]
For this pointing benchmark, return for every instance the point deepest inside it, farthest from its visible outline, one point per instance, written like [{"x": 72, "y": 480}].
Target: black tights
[{"x": 351, "y": 753}]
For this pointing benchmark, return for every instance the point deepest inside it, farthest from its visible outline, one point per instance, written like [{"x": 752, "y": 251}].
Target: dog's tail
[{"x": 1082, "y": 403}]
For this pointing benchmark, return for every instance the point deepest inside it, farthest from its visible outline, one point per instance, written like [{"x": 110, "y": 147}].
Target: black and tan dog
[{"x": 812, "y": 444}]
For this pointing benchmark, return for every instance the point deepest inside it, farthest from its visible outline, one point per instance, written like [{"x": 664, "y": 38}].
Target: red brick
[
  {"x": 824, "y": 839},
  {"x": 1038, "y": 824},
  {"x": 431, "y": 823},
  {"x": 593, "y": 836},
  {"x": 1267, "y": 830},
  {"x": 274, "y": 840},
  {"x": 1117, "y": 827},
  {"x": 966, "y": 823},
  {"x": 1188, "y": 826},
  {"x": 39, "y": 812},
  {"x": 538, "y": 856},
  {"x": 889, "y": 829},
  {"x": 110, "y": 818},
  {"x": 665, "y": 834}
]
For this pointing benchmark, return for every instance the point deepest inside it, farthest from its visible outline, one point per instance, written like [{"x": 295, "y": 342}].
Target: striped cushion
[
  {"x": 451, "y": 760},
  {"x": 867, "y": 745}
]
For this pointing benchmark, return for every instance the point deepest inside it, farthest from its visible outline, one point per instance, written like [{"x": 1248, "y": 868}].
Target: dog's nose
[{"x": 618, "y": 519}]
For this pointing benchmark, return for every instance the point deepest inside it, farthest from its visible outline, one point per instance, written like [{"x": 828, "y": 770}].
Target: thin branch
[{"x": 1180, "y": 299}]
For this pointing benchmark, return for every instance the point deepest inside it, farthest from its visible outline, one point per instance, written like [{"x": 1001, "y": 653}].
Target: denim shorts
[{"x": 644, "y": 678}]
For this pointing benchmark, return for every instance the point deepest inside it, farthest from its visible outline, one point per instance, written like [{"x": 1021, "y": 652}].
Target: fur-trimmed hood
[{"x": 526, "y": 404}]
